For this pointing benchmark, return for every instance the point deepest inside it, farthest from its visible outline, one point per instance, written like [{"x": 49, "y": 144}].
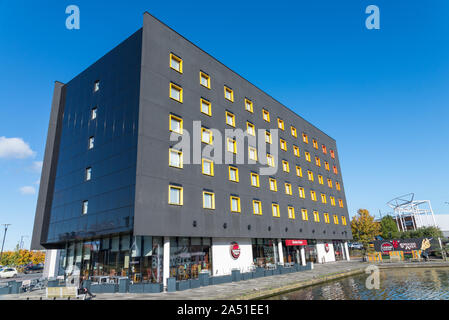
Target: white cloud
[
  {"x": 15, "y": 148},
  {"x": 27, "y": 190},
  {"x": 37, "y": 166}
]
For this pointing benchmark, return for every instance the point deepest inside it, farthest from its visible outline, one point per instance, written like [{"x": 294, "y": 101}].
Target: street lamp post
[{"x": 6, "y": 225}]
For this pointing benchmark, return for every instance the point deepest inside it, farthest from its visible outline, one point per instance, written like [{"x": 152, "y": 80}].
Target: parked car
[
  {"x": 34, "y": 268},
  {"x": 8, "y": 273},
  {"x": 356, "y": 245}
]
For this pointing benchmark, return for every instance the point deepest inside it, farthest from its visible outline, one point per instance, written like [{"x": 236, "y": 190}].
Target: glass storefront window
[
  {"x": 310, "y": 251},
  {"x": 264, "y": 252},
  {"x": 189, "y": 257}
]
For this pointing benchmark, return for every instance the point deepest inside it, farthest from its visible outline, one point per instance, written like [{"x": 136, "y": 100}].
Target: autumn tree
[{"x": 364, "y": 229}]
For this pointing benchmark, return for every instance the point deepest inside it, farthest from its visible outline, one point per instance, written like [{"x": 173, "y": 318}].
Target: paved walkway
[{"x": 249, "y": 289}]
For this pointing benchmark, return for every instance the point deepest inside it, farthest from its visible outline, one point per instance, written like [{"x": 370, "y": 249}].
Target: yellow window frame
[
  {"x": 304, "y": 215},
  {"x": 210, "y": 136},
  {"x": 236, "y": 170},
  {"x": 176, "y": 87},
  {"x": 258, "y": 204},
  {"x": 205, "y": 76},
  {"x": 209, "y": 106},
  {"x": 305, "y": 138},
  {"x": 255, "y": 153},
  {"x": 171, "y": 116},
  {"x": 326, "y": 217},
  {"x": 250, "y": 104},
  {"x": 232, "y": 116},
  {"x": 268, "y": 135},
  {"x": 266, "y": 115},
  {"x": 213, "y": 200},
  {"x": 270, "y": 180},
  {"x": 234, "y": 145},
  {"x": 285, "y": 166},
  {"x": 252, "y": 174},
  {"x": 293, "y": 131},
  {"x": 181, "y": 197},
  {"x": 231, "y": 93},
  {"x": 298, "y": 171},
  {"x": 302, "y": 192},
  {"x": 283, "y": 144},
  {"x": 211, "y": 167},
  {"x": 239, "y": 209},
  {"x": 252, "y": 126},
  {"x": 313, "y": 195},
  {"x": 288, "y": 188},
  {"x": 291, "y": 212},
  {"x": 316, "y": 216},
  {"x": 280, "y": 124},
  {"x": 170, "y": 150},
  {"x": 275, "y": 210},
  {"x": 177, "y": 59}
]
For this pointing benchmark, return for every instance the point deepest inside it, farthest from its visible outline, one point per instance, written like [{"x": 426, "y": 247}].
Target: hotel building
[{"x": 120, "y": 198}]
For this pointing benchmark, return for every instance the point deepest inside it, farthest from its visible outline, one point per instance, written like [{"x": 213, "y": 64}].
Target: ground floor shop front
[{"x": 154, "y": 259}]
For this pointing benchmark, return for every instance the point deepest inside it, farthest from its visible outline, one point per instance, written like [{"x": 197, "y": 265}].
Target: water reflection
[{"x": 395, "y": 284}]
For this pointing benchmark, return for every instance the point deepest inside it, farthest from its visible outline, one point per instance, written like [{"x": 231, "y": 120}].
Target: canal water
[{"x": 394, "y": 284}]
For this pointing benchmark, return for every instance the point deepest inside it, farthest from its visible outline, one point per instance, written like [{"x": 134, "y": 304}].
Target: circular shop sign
[
  {"x": 386, "y": 247},
  {"x": 235, "y": 250}
]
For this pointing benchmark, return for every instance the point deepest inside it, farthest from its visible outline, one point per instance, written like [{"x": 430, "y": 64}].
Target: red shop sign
[{"x": 295, "y": 242}]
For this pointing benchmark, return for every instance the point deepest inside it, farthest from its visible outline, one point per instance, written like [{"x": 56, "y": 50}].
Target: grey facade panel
[
  {"x": 154, "y": 216},
  {"x": 45, "y": 195}
]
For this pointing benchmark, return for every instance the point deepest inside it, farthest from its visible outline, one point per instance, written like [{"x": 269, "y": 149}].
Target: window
[
  {"x": 252, "y": 153},
  {"x": 298, "y": 171},
  {"x": 318, "y": 161},
  {"x": 88, "y": 174},
  {"x": 235, "y": 204},
  {"x": 230, "y": 119},
  {"x": 326, "y": 165},
  {"x": 337, "y": 185},
  {"x": 320, "y": 179},
  {"x": 326, "y": 217},
  {"x": 343, "y": 220},
  {"x": 175, "y": 124},
  {"x": 175, "y": 92},
  {"x": 307, "y": 156},
  {"x": 329, "y": 183},
  {"x": 233, "y": 174},
  {"x": 323, "y": 198},
  {"x": 288, "y": 188},
  {"x": 91, "y": 142},
  {"x": 93, "y": 113},
  {"x": 293, "y": 131},
  {"x": 304, "y": 214},
  {"x": 310, "y": 175},
  {"x": 335, "y": 169},
  {"x": 280, "y": 124},
  {"x": 291, "y": 212},
  {"x": 175, "y": 63},
  {"x": 313, "y": 195},
  {"x": 315, "y": 144},
  {"x": 316, "y": 216},
  {"x": 206, "y": 107},
  {"x": 268, "y": 137},
  {"x": 96, "y": 85},
  {"x": 324, "y": 149},
  {"x": 335, "y": 219},
  {"x": 305, "y": 139},
  {"x": 257, "y": 207},
  {"x": 296, "y": 151},
  {"x": 206, "y": 136},
  {"x": 232, "y": 145},
  {"x": 273, "y": 184},
  {"x": 285, "y": 166},
  {"x": 207, "y": 167},
  {"x": 250, "y": 128},
  {"x": 175, "y": 195},
  {"x": 204, "y": 80},
  {"x": 332, "y": 201},
  {"x": 340, "y": 203},
  {"x": 85, "y": 206},
  {"x": 254, "y": 179},
  {"x": 228, "y": 94},
  {"x": 302, "y": 193},
  {"x": 208, "y": 200},
  {"x": 266, "y": 115},
  {"x": 270, "y": 160},
  {"x": 249, "y": 105},
  {"x": 283, "y": 144},
  {"x": 175, "y": 158},
  {"x": 332, "y": 154},
  {"x": 275, "y": 210}
]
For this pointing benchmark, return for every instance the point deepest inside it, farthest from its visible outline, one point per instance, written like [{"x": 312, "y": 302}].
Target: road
[{"x": 22, "y": 277}]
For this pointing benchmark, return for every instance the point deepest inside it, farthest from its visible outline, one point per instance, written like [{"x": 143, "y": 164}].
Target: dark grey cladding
[{"x": 130, "y": 173}]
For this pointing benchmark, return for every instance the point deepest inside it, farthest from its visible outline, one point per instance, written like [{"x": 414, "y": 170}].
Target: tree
[
  {"x": 364, "y": 229},
  {"x": 388, "y": 228},
  {"x": 423, "y": 232}
]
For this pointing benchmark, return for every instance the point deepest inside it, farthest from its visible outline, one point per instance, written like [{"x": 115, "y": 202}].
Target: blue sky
[{"x": 382, "y": 94}]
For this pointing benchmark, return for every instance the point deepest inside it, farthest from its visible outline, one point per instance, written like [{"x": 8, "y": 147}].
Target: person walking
[{"x": 83, "y": 290}]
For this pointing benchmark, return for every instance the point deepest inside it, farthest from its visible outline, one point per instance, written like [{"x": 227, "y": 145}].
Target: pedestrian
[{"x": 83, "y": 290}]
